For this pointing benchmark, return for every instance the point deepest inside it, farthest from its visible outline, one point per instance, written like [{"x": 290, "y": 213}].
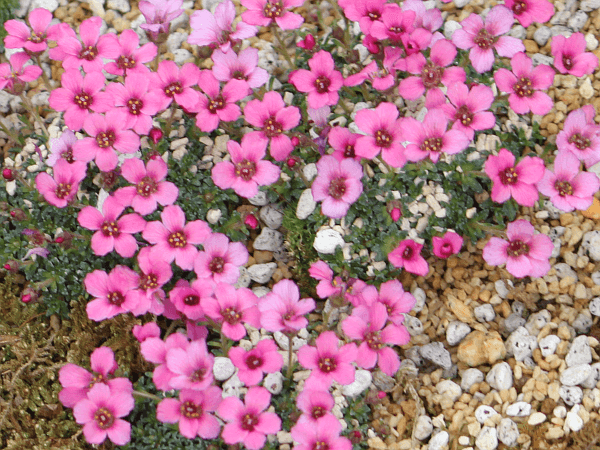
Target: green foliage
[{"x": 7, "y": 9}]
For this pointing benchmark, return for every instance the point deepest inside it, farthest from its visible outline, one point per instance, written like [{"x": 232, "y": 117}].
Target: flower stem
[
  {"x": 29, "y": 106},
  {"x": 289, "y": 373},
  {"x": 146, "y": 395},
  {"x": 44, "y": 76},
  {"x": 281, "y": 46}
]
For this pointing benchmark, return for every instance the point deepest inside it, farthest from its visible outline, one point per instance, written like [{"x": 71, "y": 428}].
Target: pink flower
[
  {"x": 76, "y": 381},
  {"x": 343, "y": 142},
  {"x": 231, "y": 308},
  {"x": 482, "y": 38},
  {"x": 529, "y": 11},
  {"x": 283, "y": 310},
  {"x": 449, "y": 244},
  {"x": 272, "y": 116},
  {"x": 393, "y": 24},
  {"x": 315, "y": 404},
  {"x": 396, "y": 301},
  {"x": 79, "y": 96},
  {"x": 328, "y": 361},
  {"x": 150, "y": 188},
  {"x": 221, "y": 260},
  {"x": 108, "y": 134},
  {"x": 263, "y": 358},
  {"x": 430, "y": 137},
  {"x": 13, "y": 76},
  {"x": 192, "y": 412},
  {"x": 218, "y": 104},
  {"x": 433, "y": 73},
  {"x": 381, "y": 78},
  {"x": 364, "y": 12},
  {"x": 263, "y": 12},
  {"x": 408, "y": 256},
  {"x": 570, "y": 55},
  {"x": 218, "y": 29},
  {"x": 113, "y": 293},
  {"x": 321, "y": 82},
  {"x": 171, "y": 83},
  {"x": 581, "y": 137},
  {"x": 325, "y": 433},
  {"x": 188, "y": 299},
  {"x": 567, "y": 187},
  {"x": 100, "y": 415},
  {"x": 174, "y": 239},
  {"x": 524, "y": 84},
  {"x": 337, "y": 184},
  {"x": 159, "y": 14},
  {"x": 469, "y": 108},
  {"x": 192, "y": 366},
  {"x": 246, "y": 422},
  {"x": 154, "y": 273},
  {"x": 61, "y": 188},
  {"x": 34, "y": 40},
  {"x": 328, "y": 286},
  {"x": 230, "y": 66},
  {"x": 62, "y": 148},
  {"x": 154, "y": 350},
  {"x": 383, "y": 129},
  {"x": 525, "y": 254},
  {"x": 112, "y": 233},
  {"x": 514, "y": 181},
  {"x": 366, "y": 324},
  {"x": 131, "y": 59},
  {"x": 247, "y": 170},
  {"x": 148, "y": 330}
]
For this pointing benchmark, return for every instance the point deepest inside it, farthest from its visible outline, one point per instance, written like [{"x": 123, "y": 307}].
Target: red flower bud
[
  {"x": 396, "y": 213},
  {"x": 295, "y": 141},
  {"x": 156, "y": 135},
  {"x": 8, "y": 174},
  {"x": 308, "y": 43},
  {"x": 251, "y": 221},
  {"x": 26, "y": 298},
  {"x": 381, "y": 395},
  {"x": 292, "y": 162},
  {"x": 59, "y": 240}
]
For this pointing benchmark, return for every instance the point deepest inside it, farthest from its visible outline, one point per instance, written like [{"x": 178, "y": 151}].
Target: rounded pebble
[{"x": 500, "y": 377}]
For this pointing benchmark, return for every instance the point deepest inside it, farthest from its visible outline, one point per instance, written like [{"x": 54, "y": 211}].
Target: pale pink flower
[
  {"x": 13, "y": 76},
  {"x": 100, "y": 414},
  {"x": 381, "y": 78},
  {"x": 513, "y": 181},
  {"x": 113, "y": 292},
  {"x": 365, "y": 12},
  {"x": 283, "y": 310},
  {"x": 154, "y": 273},
  {"x": 220, "y": 261},
  {"x": 525, "y": 254},
  {"x": 159, "y": 14},
  {"x": 218, "y": 104},
  {"x": 61, "y": 148},
  {"x": 343, "y": 141},
  {"x": 60, "y": 189},
  {"x": 192, "y": 411},
  {"x": 338, "y": 184},
  {"x": 570, "y": 55},
  {"x": 525, "y": 85},
  {"x": 408, "y": 256},
  {"x": 148, "y": 330},
  {"x": 188, "y": 298},
  {"x": 252, "y": 364},
  {"x": 131, "y": 57},
  {"x": 263, "y": 12},
  {"x": 155, "y": 350},
  {"x": 34, "y": 40},
  {"x": 581, "y": 137},
  {"x": 322, "y": 82},
  {"x": 328, "y": 286},
  {"x": 529, "y": 11},
  {"x": 325, "y": 433},
  {"x": 449, "y": 244},
  {"x": 172, "y": 83},
  {"x": 396, "y": 301},
  {"x": 243, "y": 67},
  {"x": 568, "y": 187},
  {"x": 315, "y": 404},
  {"x": 231, "y": 308},
  {"x": 482, "y": 38},
  {"x": 192, "y": 367}
]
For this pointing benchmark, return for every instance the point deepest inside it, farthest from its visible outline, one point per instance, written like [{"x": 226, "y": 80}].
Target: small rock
[
  {"x": 413, "y": 325},
  {"x": 517, "y": 307},
  {"x": 449, "y": 389},
  {"x": 437, "y": 354},
  {"x": 589, "y": 5},
  {"x": 586, "y": 90},
  {"x": 500, "y": 377},
  {"x": 439, "y": 441},
  {"x": 223, "y": 368},
  {"x": 461, "y": 3},
  {"x": 538, "y": 321},
  {"x": 262, "y": 273},
  {"x": 259, "y": 199},
  {"x": 577, "y": 20},
  {"x": 592, "y": 380},
  {"x": 273, "y": 382},
  {"x": 519, "y": 32},
  {"x": 519, "y": 409},
  {"x": 50, "y": 5},
  {"x": 501, "y": 288},
  {"x": 362, "y": 381},
  {"x": 470, "y": 377},
  {"x": 580, "y": 352},
  {"x": 306, "y": 205},
  {"x": 484, "y": 412},
  {"x": 326, "y": 241},
  {"x": 232, "y": 387},
  {"x": 213, "y": 216},
  {"x": 385, "y": 383},
  {"x": 271, "y": 216},
  {"x": 457, "y": 331},
  {"x": 487, "y": 439},
  {"x": 508, "y": 432},
  {"x": 549, "y": 344},
  {"x": 450, "y": 26},
  {"x": 423, "y": 428},
  {"x": 123, "y": 6},
  {"x": 563, "y": 270},
  {"x": 560, "y": 412},
  {"x": 414, "y": 355},
  {"x": 481, "y": 348},
  {"x": 542, "y": 35},
  {"x": 573, "y": 421},
  {"x": 590, "y": 244},
  {"x": 244, "y": 279},
  {"x": 595, "y": 306},
  {"x": 485, "y": 313},
  {"x": 576, "y": 375},
  {"x": 582, "y": 323},
  {"x": 521, "y": 344},
  {"x": 512, "y": 322},
  {"x": 420, "y": 299},
  {"x": 571, "y": 395},
  {"x": 284, "y": 343},
  {"x": 539, "y": 58},
  {"x": 536, "y": 418},
  {"x": 268, "y": 239}
]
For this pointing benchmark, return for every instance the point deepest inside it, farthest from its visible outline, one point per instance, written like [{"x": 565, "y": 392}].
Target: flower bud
[
  {"x": 355, "y": 437},
  {"x": 59, "y": 240},
  {"x": 295, "y": 141},
  {"x": 18, "y": 214},
  {"x": 381, "y": 395},
  {"x": 11, "y": 266},
  {"x": 29, "y": 295},
  {"x": 308, "y": 43},
  {"x": 394, "y": 209},
  {"x": 8, "y": 174},
  {"x": 251, "y": 221},
  {"x": 396, "y": 213},
  {"x": 155, "y": 134}
]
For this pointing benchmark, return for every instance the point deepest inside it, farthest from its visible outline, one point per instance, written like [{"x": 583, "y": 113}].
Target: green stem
[
  {"x": 146, "y": 395},
  {"x": 281, "y": 46},
  {"x": 44, "y": 76},
  {"x": 289, "y": 373},
  {"x": 29, "y": 107},
  {"x": 225, "y": 342}
]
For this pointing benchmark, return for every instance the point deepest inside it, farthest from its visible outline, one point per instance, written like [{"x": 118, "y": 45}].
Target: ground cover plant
[{"x": 371, "y": 129}]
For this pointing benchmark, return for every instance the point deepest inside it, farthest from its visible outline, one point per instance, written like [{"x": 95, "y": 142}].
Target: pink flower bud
[
  {"x": 308, "y": 43},
  {"x": 251, "y": 221},
  {"x": 8, "y": 174},
  {"x": 156, "y": 135},
  {"x": 59, "y": 240},
  {"x": 295, "y": 141},
  {"x": 381, "y": 395},
  {"x": 396, "y": 213},
  {"x": 26, "y": 298}
]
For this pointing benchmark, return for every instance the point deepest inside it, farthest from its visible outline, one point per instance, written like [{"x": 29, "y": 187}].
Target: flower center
[
  {"x": 431, "y": 75},
  {"x": 146, "y": 187},
  {"x": 110, "y": 228},
  {"x": 519, "y": 8},
  {"x": 272, "y": 10},
  {"x": 254, "y": 362},
  {"x": 115, "y": 298},
  {"x": 173, "y": 88},
  {"x": 407, "y": 253},
  {"x": 62, "y": 190},
  {"x": 373, "y": 15},
  {"x": 318, "y": 412},
  {"x": 191, "y": 300},
  {"x": 36, "y": 38},
  {"x": 464, "y": 115},
  {"x": 517, "y": 248},
  {"x": 248, "y": 422},
  {"x": 104, "y": 418},
  {"x": 374, "y": 340},
  {"x": 396, "y": 29},
  {"x": 322, "y": 84},
  {"x": 327, "y": 364},
  {"x": 349, "y": 151},
  {"x": 216, "y": 104},
  {"x": 198, "y": 375},
  {"x": 320, "y": 445},
  {"x": 245, "y": 169},
  {"x": 83, "y": 100},
  {"x": 509, "y": 176},
  {"x": 148, "y": 281},
  {"x": 579, "y": 141},
  {"x": 97, "y": 378},
  {"x": 523, "y": 87},
  {"x": 272, "y": 128},
  {"x": 217, "y": 265},
  {"x": 239, "y": 75},
  {"x": 567, "y": 62},
  {"x": 105, "y": 139},
  {"x": 484, "y": 40},
  {"x": 432, "y": 145},
  {"x": 231, "y": 316},
  {"x": 126, "y": 62},
  {"x": 134, "y": 106},
  {"x": 337, "y": 187},
  {"x": 177, "y": 240},
  {"x": 383, "y": 139},
  {"x": 88, "y": 53},
  {"x": 564, "y": 188},
  {"x": 190, "y": 410}
]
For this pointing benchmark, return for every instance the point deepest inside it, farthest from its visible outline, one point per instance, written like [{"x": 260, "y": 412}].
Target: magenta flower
[
  {"x": 525, "y": 254},
  {"x": 325, "y": 434},
  {"x": 384, "y": 134},
  {"x": 283, "y": 310},
  {"x": 432, "y": 73},
  {"x": 366, "y": 324},
  {"x": 567, "y": 187},
  {"x": 13, "y": 76},
  {"x": 315, "y": 404},
  {"x": 524, "y": 84},
  {"x": 34, "y": 40},
  {"x": 217, "y": 29},
  {"x": 188, "y": 298},
  {"x": 381, "y": 78},
  {"x": 246, "y": 422},
  {"x": 364, "y": 12},
  {"x": 61, "y": 188},
  {"x": 252, "y": 364},
  {"x": 171, "y": 83},
  {"x": 328, "y": 286},
  {"x": 113, "y": 292},
  {"x": 482, "y": 38},
  {"x": 159, "y": 14},
  {"x": 430, "y": 138},
  {"x": 408, "y": 256},
  {"x": 131, "y": 59},
  {"x": 272, "y": 116},
  {"x": 154, "y": 350},
  {"x": 112, "y": 233},
  {"x": 263, "y": 12},
  {"x": 468, "y": 109},
  {"x": 192, "y": 411},
  {"x": 513, "y": 181},
  {"x": 100, "y": 415},
  {"x": 79, "y": 96},
  {"x": 61, "y": 148},
  {"x": 581, "y": 137},
  {"x": 76, "y": 381},
  {"x": 150, "y": 188},
  {"x": 396, "y": 301},
  {"x": 321, "y": 82},
  {"x": 328, "y": 361},
  {"x": 148, "y": 330},
  {"x": 337, "y": 184},
  {"x": 218, "y": 104},
  {"x": 192, "y": 366},
  {"x": 570, "y": 55},
  {"x": 174, "y": 239},
  {"x": 449, "y": 244},
  {"x": 247, "y": 170},
  {"x": 231, "y": 308},
  {"x": 154, "y": 273},
  {"x": 393, "y": 25},
  {"x": 221, "y": 259},
  {"x": 230, "y": 66},
  {"x": 529, "y": 11},
  {"x": 343, "y": 142}
]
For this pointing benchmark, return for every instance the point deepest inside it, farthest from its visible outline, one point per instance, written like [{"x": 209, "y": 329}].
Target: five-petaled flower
[
  {"x": 408, "y": 256},
  {"x": 322, "y": 82},
  {"x": 264, "y": 12},
  {"x": 60, "y": 189}
]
